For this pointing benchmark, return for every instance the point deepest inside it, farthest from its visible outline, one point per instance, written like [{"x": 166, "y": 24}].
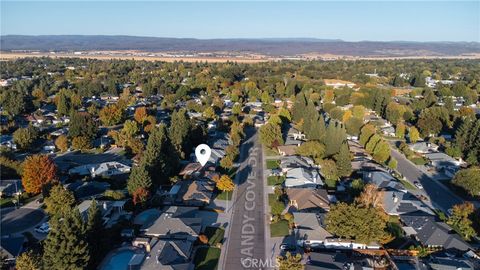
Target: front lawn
[
  {"x": 276, "y": 206},
  {"x": 206, "y": 258},
  {"x": 273, "y": 164},
  {"x": 279, "y": 228},
  {"x": 214, "y": 235},
  {"x": 407, "y": 184},
  {"x": 6, "y": 202},
  {"x": 275, "y": 180},
  {"x": 225, "y": 195},
  {"x": 270, "y": 152},
  {"x": 418, "y": 160}
]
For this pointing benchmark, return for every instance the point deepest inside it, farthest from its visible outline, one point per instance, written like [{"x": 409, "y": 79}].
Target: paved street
[
  {"x": 245, "y": 237},
  {"x": 440, "y": 196},
  {"x": 22, "y": 219}
]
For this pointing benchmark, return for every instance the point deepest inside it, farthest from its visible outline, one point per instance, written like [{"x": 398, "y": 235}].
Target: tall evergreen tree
[
  {"x": 139, "y": 178},
  {"x": 344, "y": 164},
  {"x": 66, "y": 246},
  {"x": 178, "y": 131},
  {"x": 94, "y": 229},
  {"x": 299, "y": 107},
  {"x": 334, "y": 138}
]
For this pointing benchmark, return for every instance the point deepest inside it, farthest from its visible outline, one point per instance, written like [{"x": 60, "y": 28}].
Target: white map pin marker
[{"x": 203, "y": 152}]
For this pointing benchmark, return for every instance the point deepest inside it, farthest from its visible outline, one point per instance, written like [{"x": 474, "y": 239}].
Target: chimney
[{"x": 395, "y": 198}]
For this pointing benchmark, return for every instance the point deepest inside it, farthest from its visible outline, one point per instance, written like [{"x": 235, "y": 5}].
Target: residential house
[
  {"x": 11, "y": 248},
  {"x": 338, "y": 83},
  {"x": 396, "y": 203},
  {"x": 423, "y": 147},
  {"x": 308, "y": 200},
  {"x": 451, "y": 263},
  {"x": 9, "y": 188},
  {"x": 442, "y": 161},
  {"x": 167, "y": 254},
  {"x": 303, "y": 178},
  {"x": 104, "y": 169},
  {"x": 290, "y": 162},
  {"x": 308, "y": 230},
  {"x": 192, "y": 169},
  {"x": 196, "y": 192},
  {"x": 426, "y": 229},
  {"x": 176, "y": 222},
  {"x": 388, "y": 131},
  {"x": 383, "y": 180},
  {"x": 7, "y": 141},
  {"x": 111, "y": 211},
  {"x": 295, "y": 134}
]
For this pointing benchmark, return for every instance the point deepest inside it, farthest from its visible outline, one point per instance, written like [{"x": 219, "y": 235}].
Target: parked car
[
  {"x": 44, "y": 228},
  {"x": 418, "y": 185}
]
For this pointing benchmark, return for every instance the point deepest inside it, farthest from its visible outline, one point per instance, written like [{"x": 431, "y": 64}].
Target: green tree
[
  {"x": 351, "y": 221},
  {"x": 13, "y": 102},
  {"x": 209, "y": 113},
  {"x": 468, "y": 180},
  {"x": 460, "y": 219},
  {"x": 392, "y": 163},
  {"x": 139, "y": 178},
  {"x": 179, "y": 130},
  {"x": 63, "y": 103},
  {"x": 381, "y": 153},
  {"x": 366, "y": 132},
  {"x": 413, "y": 134},
  {"x": 94, "y": 233},
  {"x": 271, "y": 135},
  {"x": 28, "y": 261},
  {"x": 372, "y": 143},
  {"x": 400, "y": 130},
  {"x": 344, "y": 165},
  {"x": 312, "y": 149},
  {"x": 82, "y": 124},
  {"x": 66, "y": 246},
  {"x": 25, "y": 137},
  {"x": 290, "y": 262},
  {"x": 353, "y": 125},
  {"x": 59, "y": 201},
  {"x": 329, "y": 169},
  {"x": 130, "y": 128},
  {"x": 334, "y": 138}
]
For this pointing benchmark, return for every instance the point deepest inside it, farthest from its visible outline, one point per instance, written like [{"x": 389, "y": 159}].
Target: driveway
[
  {"x": 20, "y": 220},
  {"x": 245, "y": 237}
]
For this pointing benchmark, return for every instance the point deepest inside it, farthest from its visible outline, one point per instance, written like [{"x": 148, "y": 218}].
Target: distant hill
[{"x": 268, "y": 46}]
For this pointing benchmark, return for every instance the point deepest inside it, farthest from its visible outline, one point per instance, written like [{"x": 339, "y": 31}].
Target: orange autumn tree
[
  {"x": 140, "y": 115},
  {"x": 140, "y": 195},
  {"x": 38, "y": 170}
]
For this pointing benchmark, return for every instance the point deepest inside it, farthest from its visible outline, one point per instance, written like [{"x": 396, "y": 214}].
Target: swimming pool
[
  {"x": 147, "y": 216},
  {"x": 119, "y": 260}
]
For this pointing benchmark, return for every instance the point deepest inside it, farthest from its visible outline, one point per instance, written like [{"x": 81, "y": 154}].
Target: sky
[{"x": 346, "y": 20}]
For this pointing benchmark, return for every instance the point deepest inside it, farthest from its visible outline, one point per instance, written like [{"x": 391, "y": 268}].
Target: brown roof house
[{"x": 308, "y": 200}]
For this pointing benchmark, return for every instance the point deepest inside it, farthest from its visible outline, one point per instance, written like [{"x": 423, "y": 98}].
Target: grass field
[
  {"x": 273, "y": 164},
  {"x": 225, "y": 195},
  {"x": 215, "y": 235},
  {"x": 279, "y": 228},
  {"x": 275, "y": 180},
  {"x": 407, "y": 184},
  {"x": 206, "y": 258}
]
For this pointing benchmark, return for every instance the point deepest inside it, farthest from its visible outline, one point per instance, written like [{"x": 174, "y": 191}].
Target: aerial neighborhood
[{"x": 314, "y": 164}]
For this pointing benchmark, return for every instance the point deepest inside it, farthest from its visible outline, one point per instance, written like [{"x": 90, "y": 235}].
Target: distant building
[{"x": 338, "y": 83}]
